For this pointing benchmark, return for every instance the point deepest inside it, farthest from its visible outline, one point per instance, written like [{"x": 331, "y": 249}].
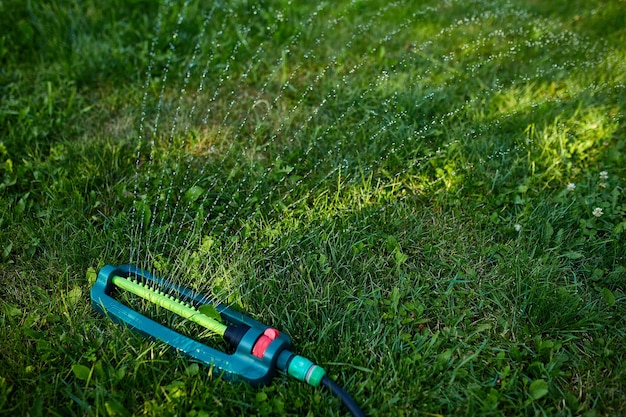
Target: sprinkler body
[{"x": 258, "y": 349}]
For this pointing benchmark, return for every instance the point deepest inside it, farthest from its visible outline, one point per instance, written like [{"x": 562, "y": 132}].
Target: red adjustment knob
[{"x": 264, "y": 341}]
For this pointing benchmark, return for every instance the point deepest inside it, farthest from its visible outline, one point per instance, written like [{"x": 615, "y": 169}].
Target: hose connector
[{"x": 304, "y": 370}]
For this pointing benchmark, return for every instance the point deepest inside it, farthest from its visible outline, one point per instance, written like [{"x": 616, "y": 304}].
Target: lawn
[{"x": 428, "y": 197}]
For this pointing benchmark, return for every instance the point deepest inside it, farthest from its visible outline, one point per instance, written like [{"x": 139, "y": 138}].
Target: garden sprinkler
[{"x": 257, "y": 350}]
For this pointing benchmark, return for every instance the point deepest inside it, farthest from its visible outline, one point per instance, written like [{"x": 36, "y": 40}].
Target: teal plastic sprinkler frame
[{"x": 257, "y": 350}]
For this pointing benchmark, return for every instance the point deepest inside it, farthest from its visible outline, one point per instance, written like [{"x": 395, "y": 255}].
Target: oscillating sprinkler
[{"x": 257, "y": 351}]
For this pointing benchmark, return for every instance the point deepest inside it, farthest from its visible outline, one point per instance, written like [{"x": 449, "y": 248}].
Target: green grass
[{"x": 429, "y": 198}]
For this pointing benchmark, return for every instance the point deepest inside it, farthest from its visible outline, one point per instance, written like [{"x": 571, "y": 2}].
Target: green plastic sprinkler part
[
  {"x": 169, "y": 302},
  {"x": 257, "y": 350},
  {"x": 306, "y": 371},
  {"x": 254, "y": 347}
]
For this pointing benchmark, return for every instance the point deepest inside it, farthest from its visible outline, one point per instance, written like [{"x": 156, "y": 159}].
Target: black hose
[{"x": 345, "y": 398}]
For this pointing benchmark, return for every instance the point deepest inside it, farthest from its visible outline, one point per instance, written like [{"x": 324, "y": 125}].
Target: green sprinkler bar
[{"x": 170, "y": 303}]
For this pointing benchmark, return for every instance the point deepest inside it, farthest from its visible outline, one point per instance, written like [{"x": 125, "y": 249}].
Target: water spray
[{"x": 256, "y": 351}]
